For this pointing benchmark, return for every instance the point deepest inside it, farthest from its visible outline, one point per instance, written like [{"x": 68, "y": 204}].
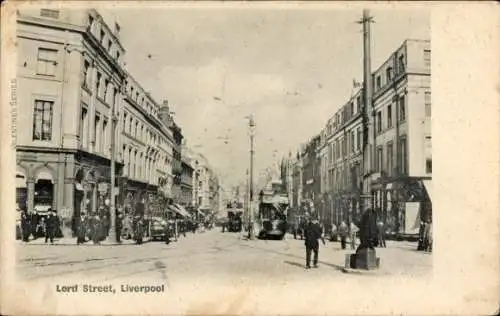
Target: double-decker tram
[{"x": 273, "y": 209}]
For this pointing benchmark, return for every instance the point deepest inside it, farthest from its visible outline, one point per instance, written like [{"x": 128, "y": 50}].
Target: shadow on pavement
[
  {"x": 296, "y": 264},
  {"x": 337, "y": 267}
]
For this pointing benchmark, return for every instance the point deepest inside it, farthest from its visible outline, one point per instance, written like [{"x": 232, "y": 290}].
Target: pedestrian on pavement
[
  {"x": 33, "y": 217},
  {"x": 343, "y": 232},
  {"x": 40, "y": 227},
  {"x": 96, "y": 229},
  {"x": 119, "y": 223},
  {"x": 428, "y": 237},
  {"x": 50, "y": 226},
  {"x": 381, "y": 233},
  {"x": 81, "y": 229},
  {"x": 313, "y": 232},
  {"x": 25, "y": 226},
  {"x": 353, "y": 230}
]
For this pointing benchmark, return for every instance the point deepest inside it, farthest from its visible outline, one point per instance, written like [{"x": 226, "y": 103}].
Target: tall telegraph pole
[
  {"x": 114, "y": 119},
  {"x": 251, "y": 124},
  {"x": 368, "y": 158}
]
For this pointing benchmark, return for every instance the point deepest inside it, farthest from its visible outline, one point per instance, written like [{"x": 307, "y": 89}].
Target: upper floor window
[
  {"x": 402, "y": 108},
  {"x": 86, "y": 67},
  {"x": 401, "y": 64},
  {"x": 389, "y": 116},
  {"x": 42, "y": 120},
  {"x": 99, "y": 83},
  {"x": 91, "y": 21},
  {"x": 379, "y": 121},
  {"x": 102, "y": 35},
  {"x": 47, "y": 62},
  {"x": 352, "y": 108},
  {"x": 389, "y": 74},
  {"x": 358, "y": 141},
  {"x": 427, "y": 57},
  {"x": 48, "y": 13},
  {"x": 379, "y": 82}
]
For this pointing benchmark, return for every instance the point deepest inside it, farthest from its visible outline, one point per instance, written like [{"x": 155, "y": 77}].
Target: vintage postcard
[{"x": 316, "y": 158}]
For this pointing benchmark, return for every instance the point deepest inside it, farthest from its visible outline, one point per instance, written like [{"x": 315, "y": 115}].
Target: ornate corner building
[{"x": 73, "y": 93}]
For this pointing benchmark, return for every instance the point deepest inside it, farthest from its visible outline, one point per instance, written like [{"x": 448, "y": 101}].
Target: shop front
[{"x": 402, "y": 203}]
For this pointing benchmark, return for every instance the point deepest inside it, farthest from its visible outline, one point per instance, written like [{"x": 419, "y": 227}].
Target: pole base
[{"x": 365, "y": 259}]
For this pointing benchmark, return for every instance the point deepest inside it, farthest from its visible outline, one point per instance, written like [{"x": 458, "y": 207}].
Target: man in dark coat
[
  {"x": 50, "y": 226},
  {"x": 25, "y": 225},
  {"x": 313, "y": 232},
  {"x": 381, "y": 233},
  {"x": 81, "y": 228},
  {"x": 368, "y": 232}
]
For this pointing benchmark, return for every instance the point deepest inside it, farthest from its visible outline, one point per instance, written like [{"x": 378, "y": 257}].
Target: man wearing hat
[{"x": 313, "y": 232}]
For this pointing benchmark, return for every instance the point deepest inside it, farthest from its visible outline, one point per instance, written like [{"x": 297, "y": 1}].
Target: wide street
[
  {"x": 212, "y": 253},
  {"x": 217, "y": 273}
]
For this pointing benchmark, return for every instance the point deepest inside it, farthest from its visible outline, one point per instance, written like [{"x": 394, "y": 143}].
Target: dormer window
[
  {"x": 91, "y": 21},
  {"x": 102, "y": 35},
  {"x": 379, "y": 82},
  {"x": 401, "y": 63},
  {"x": 389, "y": 74}
]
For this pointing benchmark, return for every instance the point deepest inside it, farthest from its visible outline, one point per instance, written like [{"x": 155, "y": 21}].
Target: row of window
[
  {"x": 401, "y": 104},
  {"x": 140, "y": 131},
  {"x": 103, "y": 37},
  {"x": 401, "y": 68},
  {"x": 101, "y": 132},
  {"x": 136, "y": 95},
  {"x": 344, "y": 146},
  {"x": 343, "y": 178},
  {"x": 103, "y": 87},
  {"x": 389, "y": 73},
  {"x": 388, "y": 167},
  {"x": 139, "y": 166},
  {"x": 344, "y": 115}
]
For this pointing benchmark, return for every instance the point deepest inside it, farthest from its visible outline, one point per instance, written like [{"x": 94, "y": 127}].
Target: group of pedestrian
[
  {"x": 371, "y": 232},
  {"x": 96, "y": 226},
  {"x": 33, "y": 224}
]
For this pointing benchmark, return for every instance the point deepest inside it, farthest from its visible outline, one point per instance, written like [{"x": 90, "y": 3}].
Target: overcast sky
[{"x": 292, "y": 68}]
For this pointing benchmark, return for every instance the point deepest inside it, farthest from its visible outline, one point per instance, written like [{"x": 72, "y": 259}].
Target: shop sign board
[{"x": 412, "y": 217}]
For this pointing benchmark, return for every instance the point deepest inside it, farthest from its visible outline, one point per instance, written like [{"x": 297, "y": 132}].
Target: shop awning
[
  {"x": 79, "y": 186},
  {"x": 428, "y": 188},
  {"x": 201, "y": 213},
  {"x": 179, "y": 210}
]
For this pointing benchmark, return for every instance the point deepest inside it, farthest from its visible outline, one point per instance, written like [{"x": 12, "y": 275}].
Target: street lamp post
[
  {"x": 112, "y": 238},
  {"x": 251, "y": 124}
]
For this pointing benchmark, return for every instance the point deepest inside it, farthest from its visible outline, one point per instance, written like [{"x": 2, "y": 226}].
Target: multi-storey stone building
[
  {"x": 400, "y": 141},
  {"x": 341, "y": 161},
  {"x": 72, "y": 89},
  {"x": 398, "y": 136},
  {"x": 187, "y": 182}
]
